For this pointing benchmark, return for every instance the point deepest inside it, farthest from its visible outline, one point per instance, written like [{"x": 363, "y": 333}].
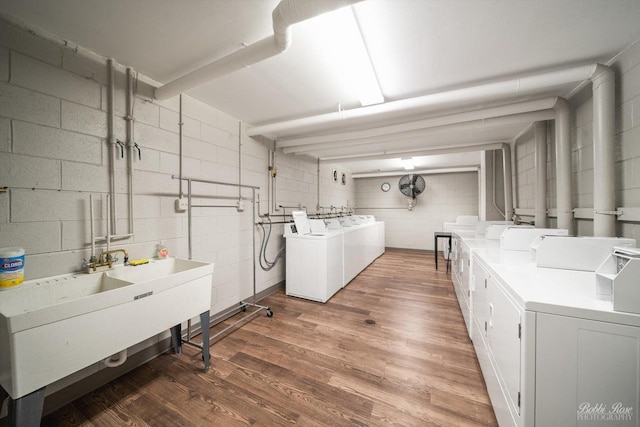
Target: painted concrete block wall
[
  {"x": 54, "y": 153},
  {"x": 525, "y": 172},
  {"x": 627, "y": 69},
  {"x": 492, "y": 184},
  {"x": 297, "y": 184},
  {"x": 627, "y": 145},
  {"x": 445, "y": 197}
]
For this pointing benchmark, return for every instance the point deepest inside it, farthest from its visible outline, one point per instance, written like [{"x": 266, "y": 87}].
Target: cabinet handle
[
  {"x": 491, "y": 315},
  {"x": 485, "y": 283}
]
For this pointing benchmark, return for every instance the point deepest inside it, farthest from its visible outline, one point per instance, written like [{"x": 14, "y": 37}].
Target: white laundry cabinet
[
  {"x": 318, "y": 266},
  {"x": 550, "y": 352}
]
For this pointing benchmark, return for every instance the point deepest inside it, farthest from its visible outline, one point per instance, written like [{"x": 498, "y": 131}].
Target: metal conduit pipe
[
  {"x": 466, "y": 126},
  {"x": 508, "y": 191},
  {"x": 604, "y": 197},
  {"x": 130, "y": 143},
  {"x": 497, "y": 91},
  {"x": 564, "y": 203},
  {"x": 286, "y": 14},
  {"x": 181, "y": 143},
  {"x": 493, "y": 179},
  {"x": 540, "y": 136},
  {"x": 449, "y": 119},
  {"x": 417, "y": 152},
  {"x": 239, "y": 163},
  {"x": 111, "y": 139},
  {"x": 318, "y": 187}
]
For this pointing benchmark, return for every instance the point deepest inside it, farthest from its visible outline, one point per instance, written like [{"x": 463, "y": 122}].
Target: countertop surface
[{"x": 545, "y": 290}]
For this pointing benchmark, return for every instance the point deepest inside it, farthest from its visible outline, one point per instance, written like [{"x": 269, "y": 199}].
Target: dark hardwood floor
[{"x": 390, "y": 349}]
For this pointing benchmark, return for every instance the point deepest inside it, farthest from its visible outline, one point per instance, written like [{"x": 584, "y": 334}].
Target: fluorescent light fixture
[
  {"x": 420, "y": 172},
  {"x": 408, "y": 164},
  {"x": 340, "y": 36}
]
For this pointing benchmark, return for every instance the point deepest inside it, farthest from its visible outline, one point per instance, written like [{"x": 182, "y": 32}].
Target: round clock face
[{"x": 385, "y": 186}]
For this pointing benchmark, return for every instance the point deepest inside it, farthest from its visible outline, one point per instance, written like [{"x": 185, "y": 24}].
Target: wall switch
[
  {"x": 240, "y": 205},
  {"x": 181, "y": 204}
]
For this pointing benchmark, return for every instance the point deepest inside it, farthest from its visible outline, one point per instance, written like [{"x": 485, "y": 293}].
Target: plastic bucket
[{"x": 11, "y": 267}]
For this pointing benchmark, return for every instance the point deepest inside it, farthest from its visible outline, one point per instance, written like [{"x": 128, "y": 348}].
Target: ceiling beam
[{"x": 392, "y": 154}]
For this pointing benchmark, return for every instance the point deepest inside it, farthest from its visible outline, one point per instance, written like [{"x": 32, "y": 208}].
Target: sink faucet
[
  {"x": 105, "y": 261},
  {"x": 106, "y": 258}
]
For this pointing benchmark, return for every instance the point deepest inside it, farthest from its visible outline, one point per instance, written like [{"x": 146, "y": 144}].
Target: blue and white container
[{"x": 11, "y": 267}]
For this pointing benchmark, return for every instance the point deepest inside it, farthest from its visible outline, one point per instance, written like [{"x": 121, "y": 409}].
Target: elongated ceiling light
[
  {"x": 340, "y": 37},
  {"x": 408, "y": 164}
]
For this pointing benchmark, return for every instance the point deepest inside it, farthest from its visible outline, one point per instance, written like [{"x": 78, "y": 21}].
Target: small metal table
[{"x": 440, "y": 235}]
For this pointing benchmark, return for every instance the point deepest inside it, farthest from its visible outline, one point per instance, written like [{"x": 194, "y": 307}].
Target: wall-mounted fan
[{"x": 411, "y": 186}]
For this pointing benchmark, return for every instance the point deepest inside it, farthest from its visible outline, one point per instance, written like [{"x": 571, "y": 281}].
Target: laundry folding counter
[
  {"x": 548, "y": 346},
  {"x": 323, "y": 256}
]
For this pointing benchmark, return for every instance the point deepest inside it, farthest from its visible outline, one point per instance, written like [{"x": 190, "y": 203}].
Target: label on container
[{"x": 11, "y": 271}]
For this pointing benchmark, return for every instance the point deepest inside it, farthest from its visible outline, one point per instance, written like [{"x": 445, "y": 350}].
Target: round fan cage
[{"x": 411, "y": 185}]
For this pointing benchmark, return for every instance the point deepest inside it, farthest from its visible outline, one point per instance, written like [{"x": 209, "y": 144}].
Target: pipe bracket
[{"x": 607, "y": 212}]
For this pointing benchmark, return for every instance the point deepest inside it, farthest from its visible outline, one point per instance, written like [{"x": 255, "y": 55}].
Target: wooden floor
[{"x": 315, "y": 364}]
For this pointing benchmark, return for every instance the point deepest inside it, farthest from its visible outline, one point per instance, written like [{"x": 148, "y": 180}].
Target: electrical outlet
[{"x": 181, "y": 204}]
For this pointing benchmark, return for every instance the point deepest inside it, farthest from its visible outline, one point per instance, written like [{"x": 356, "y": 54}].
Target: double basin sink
[{"x": 55, "y": 326}]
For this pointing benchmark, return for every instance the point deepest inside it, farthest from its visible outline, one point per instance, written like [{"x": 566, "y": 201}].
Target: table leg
[
  {"x": 27, "y": 410},
  {"x": 204, "y": 325},
  {"x": 176, "y": 338},
  {"x": 435, "y": 245}
]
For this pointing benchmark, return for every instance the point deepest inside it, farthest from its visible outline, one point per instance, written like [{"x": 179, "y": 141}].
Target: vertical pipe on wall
[
  {"x": 180, "y": 139},
  {"x": 563, "y": 165},
  {"x": 239, "y": 162},
  {"x": 493, "y": 179},
  {"x": 604, "y": 197},
  {"x": 130, "y": 144},
  {"x": 540, "y": 135},
  {"x": 253, "y": 242},
  {"x": 275, "y": 181},
  {"x": 318, "y": 187},
  {"x": 508, "y": 190},
  {"x": 111, "y": 224}
]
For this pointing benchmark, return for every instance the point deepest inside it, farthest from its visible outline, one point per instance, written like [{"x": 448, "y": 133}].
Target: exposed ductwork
[
  {"x": 603, "y": 81},
  {"x": 564, "y": 203},
  {"x": 467, "y": 124},
  {"x": 604, "y": 195},
  {"x": 508, "y": 187},
  {"x": 286, "y": 14},
  {"x": 540, "y": 135},
  {"x": 494, "y": 92},
  {"x": 416, "y": 152},
  {"x": 449, "y": 119}
]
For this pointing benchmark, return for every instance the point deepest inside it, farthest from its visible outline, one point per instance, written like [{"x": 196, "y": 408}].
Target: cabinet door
[
  {"x": 584, "y": 365},
  {"x": 481, "y": 298},
  {"x": 504, "y": 342}
]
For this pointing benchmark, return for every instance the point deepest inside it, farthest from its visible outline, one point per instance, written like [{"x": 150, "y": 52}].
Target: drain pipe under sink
[{"x": 111, "y": 362}]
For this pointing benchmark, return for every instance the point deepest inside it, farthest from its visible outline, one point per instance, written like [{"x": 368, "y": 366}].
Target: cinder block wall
[
  {"x": 445, "y": 197},
  {"x": 54, "y": 153},
  {"x": 627, "y": 71},
  {"x": 525, "y": 171}
]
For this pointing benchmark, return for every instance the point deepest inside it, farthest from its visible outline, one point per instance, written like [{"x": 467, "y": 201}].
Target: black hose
[{"x": 262, "y": 256}]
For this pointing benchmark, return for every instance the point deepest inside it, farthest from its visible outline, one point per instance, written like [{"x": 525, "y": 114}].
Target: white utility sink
[{"x": 55, "y": 326}]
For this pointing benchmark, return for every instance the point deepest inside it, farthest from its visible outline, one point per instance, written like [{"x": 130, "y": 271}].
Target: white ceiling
[{"x": 417, "y": 47}]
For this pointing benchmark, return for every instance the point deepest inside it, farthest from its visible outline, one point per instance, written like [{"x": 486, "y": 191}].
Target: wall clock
[{"x": 385, "y": 186}]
